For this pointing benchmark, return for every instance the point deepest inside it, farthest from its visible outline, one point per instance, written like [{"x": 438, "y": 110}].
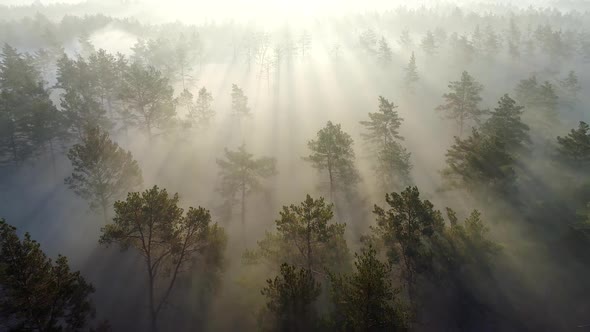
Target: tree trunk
[
  {"x": 309, "y": 262},
  {"x": 243, "y": 214},
  {"x": 153, "y": 313},
  {"x": 331, "y": 184}
]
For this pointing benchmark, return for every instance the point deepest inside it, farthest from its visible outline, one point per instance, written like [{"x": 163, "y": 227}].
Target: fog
[{"x": 300, "y": 65}]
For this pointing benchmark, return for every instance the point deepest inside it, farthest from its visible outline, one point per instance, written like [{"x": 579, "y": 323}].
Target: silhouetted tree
[
  {"x": 332, "y": 152},
  {"x": 239, "y": 102},
  {"x": 241, "y": 175},
  {"x": 366, "y": 299},
  {"x": 290, "y": 301},
  {"x": 39, "y": 294},
  {"x": 480, "y": 163},
  {"x": 147, "y": 97},
  {"x": 80, "y": 100},
  {"x": 506, "y": 125},
  {"x": 199, "y": 111},
  {"x": 575, "y": 147},
  {"x": 403, "y": 228},
  {"x": 103, "y": 172},
  {"x": 462, "y": 103},
  {"x": 29, "y": 122},
  {"x": 384, "y": 53},
  {"x": 405, "y": 40},
  {"x": 411, "y": 76},
  {"x": 428, "y": 44},
  {"x": 391, "y": 160},
  {"x": 305, "y": 238},
  {"x": 168, "y": 239},
  {"x": 571, "y": 84}
]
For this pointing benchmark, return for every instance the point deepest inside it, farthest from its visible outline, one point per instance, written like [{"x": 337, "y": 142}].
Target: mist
[{"x": 398, "y": 120}]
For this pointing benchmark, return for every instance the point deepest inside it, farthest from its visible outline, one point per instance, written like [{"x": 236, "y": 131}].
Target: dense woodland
[{"x": 412, "y": 169}]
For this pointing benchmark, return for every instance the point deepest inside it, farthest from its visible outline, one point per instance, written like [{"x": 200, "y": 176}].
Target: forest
[{"x": 293, "y": 166}]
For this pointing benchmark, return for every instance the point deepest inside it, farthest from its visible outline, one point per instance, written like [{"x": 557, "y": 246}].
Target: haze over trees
[{"x": 361, "y": 167}]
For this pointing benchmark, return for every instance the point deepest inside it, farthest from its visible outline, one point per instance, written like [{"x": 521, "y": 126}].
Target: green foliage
[
  {"x": 575, "y": 147},
  {"x": 305, "y": 238},
  {"x": 108, "y": 72},
  {"x": 200, "y": 111},
  {"x": 203, "y": 111},
  {"x": 480, "y": 162},
  {"x": 168, "y": 239},
  {"x": 391, "y": 160},
  {"x": 428, "y": 44},
  {"x": 290, "y": 301},
  {"x": 37, "y": 293},
  {"x": 241, "y": 175},
  {"x": 239, "y": 102},
  {"x": 462, "y": 103},
  {"x": 171, "y": 55},
  {"x": 463, "y": 257},
  {"x": 571, "y": 84},
  {"x": 366, "y": 299},
  {"x": 103, "y": 172},
  {"x": 383, "y": 126},
  {"x": 541, "y": 103},
  {"x": 403, "y": 228},
  {"x": 29, "y": 122},
  {"x": 80, "y": 99},
  {"x": 148, "y": 99},
  {"x": 506, "y": 125},
  {"x": 411, "y": 76},
  {"x": 384, "y": 53},
  {"x": 332, "y": 152}
]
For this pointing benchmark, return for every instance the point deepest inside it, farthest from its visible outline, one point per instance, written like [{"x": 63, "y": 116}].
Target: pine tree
[
  {"x": 403, "y": 229},
  {"x": 332, "y": 152},
  {"x": 391, "y": 160},
  {"x": 384, "y": 53},
  {"x": 304, "y": 43},
  {"x": 203, "y": 110},
  {"x": 480, "y": 163},
  {"x": 80, "y": 99},
  {"x": 29, "y": 122},
  {"x": 571, "y": 84},
  {"x": 168, "y": 239},
  {"x": 366, "y": 299},
  {"x": 492, "y": 43},
  {"x": 239, "y": 102},
  {"x": 575, "y": 147},
  {"x": 411, "y": 74},
  {"x": 305, "y": 237},
  {"x": 368, "y": 41},
  {"x": 104, "y": 67},
  {"x": 241, "y": 175},
  {"x": 463, "y": 256},
  {"x": 103, "y": 172},
  {"x": 148, "y": 99},
  {"x": 405, "y": 40},
  {"x": 506, "y": 125},
  {"x": 428, "y": 44},
  {"x": 462, "y": 103},
  {"x": 200, "y": 111},
  {"x": 290, "y": 301},
  {"x": 527, "y": 92},
  {"x": 39, "y": 294},
  {"x": 478, "y": 40}
]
